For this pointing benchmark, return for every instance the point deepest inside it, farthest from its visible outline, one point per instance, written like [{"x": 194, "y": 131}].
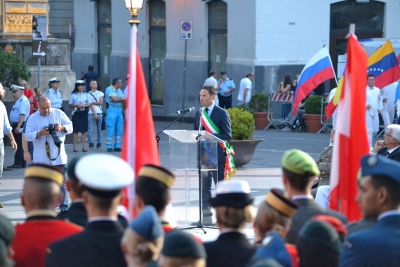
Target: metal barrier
[
  {"x": 325, "y": 123},
  {"x": 277, "y": 102}
]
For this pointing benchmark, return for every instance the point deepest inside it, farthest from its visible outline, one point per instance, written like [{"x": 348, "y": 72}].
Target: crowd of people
[{"x": 290, "y": 228}]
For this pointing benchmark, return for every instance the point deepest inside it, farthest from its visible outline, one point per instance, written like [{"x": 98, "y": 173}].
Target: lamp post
[{"x": 134, "y": 6}]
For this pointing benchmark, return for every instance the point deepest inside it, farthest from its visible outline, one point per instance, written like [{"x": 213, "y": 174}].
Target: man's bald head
[{"x": 40, "y": 193}]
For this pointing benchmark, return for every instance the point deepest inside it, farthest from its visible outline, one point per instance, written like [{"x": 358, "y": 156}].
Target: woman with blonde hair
[{"x": 273, "y": 220}]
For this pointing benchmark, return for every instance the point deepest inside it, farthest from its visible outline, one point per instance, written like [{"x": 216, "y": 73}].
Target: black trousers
[
  {"x": 225, "y": 101},
  {"x": 19, "y": 154}
]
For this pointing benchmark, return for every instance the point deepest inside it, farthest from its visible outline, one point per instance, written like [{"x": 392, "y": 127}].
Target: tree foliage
[{"x": 12, "y": 69}]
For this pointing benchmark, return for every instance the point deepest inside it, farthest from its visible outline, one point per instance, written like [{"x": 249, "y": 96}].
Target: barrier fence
[{"x": 280, "y": 105}]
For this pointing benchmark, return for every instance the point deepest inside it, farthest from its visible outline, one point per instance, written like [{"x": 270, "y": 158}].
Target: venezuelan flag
[
  {"x": 384, "y": 65},
  {"x": 330, "y": 108}
]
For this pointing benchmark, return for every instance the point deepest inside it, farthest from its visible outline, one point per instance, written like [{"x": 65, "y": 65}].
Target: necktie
[{"x": 207, "y": 111}]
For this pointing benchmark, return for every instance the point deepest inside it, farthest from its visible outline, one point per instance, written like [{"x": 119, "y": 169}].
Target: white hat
[
  {"x": 104, "y": 175},
  {"x": 80, "y": 82},
  {"x": 54, "y": 80},
  {"x": 233, "y": 193}
]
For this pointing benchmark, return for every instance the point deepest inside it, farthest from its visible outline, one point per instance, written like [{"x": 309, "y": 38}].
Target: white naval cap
[
  {"x": 104, "y": 175},
  {"x": 54, "y": 80},
  {"x": 232, "y": 193},
  {"x": 80, "y": 82}
]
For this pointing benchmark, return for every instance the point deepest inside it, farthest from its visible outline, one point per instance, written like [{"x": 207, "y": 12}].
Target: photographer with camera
[
  {"x": 18, "y": 115},
  {"x": 47, "y": 129}
]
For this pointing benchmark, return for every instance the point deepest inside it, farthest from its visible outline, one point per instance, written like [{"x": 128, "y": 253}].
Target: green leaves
[
  {"x": 242, "y": 123},
  {"x": 12, "y": 69},
  {"x": 313, "y": 105},
  {"x": 259, "y": 103}
]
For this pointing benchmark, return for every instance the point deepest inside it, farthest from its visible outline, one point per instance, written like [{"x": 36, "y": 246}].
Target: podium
[{"x": 191, "y": 160}]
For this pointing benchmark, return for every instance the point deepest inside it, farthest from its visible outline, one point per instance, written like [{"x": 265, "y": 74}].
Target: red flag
[
  {"x": 139, "y": 145},
  {"x": 350, "y": 140}
]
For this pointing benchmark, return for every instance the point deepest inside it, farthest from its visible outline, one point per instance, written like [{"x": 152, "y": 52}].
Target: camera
[
  {"x": 52, "y": 130},
  {"x": 16, "y": 87}
]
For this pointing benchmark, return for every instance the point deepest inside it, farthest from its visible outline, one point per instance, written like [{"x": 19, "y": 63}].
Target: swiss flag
[
  {"x": 139, "y": 145},
  {"x": 350, "y": 140}
]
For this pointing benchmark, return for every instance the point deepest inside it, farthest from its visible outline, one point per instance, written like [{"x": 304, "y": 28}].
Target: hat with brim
[
  {"x": 234, "y": 193},
  {"x": 377, "y": 165},
  {"x": 46, "y": 172},
  {"x": 159, "y": 173},
  {"x": 80, "y": 82},
  {"x": 281, "y": 203},
  {"x": 54, "y": 80},
  {"x": 104, "y": 175}
]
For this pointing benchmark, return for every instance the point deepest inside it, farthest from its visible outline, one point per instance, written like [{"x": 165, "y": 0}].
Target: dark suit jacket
[
  {"x": 308, "y": 209},
  {"x": 98, "y": 245},
  {"x": 395, "y": 155},
  {"x": 77, "y": 214},
  {"x": 231, "y": 249},
  {"x": 220, "y": 118},
  {"x": 376, "y": 246}
]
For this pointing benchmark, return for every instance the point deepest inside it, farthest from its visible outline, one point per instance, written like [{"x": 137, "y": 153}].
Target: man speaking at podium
[{"x": 215, "y": 120}]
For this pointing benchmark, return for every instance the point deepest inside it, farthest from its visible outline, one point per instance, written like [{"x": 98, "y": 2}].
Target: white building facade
[{"x": 269, "y": 37}]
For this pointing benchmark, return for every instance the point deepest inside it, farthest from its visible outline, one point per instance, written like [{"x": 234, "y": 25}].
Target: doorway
[
  {"x": 158, "y": 49},
  {"x": 104, "y": 41},
  {"x": 217, "y": 35}
]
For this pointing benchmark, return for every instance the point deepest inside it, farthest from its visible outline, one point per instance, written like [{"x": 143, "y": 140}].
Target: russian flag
[{"x": 317, "y": 70}]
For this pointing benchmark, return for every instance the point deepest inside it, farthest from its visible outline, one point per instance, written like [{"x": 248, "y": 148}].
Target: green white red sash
[{"x": 210, "y": 127}]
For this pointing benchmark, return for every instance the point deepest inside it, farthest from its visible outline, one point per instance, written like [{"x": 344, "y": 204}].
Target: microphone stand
[
  {"x": 174, "y": 121},
  {"x": 200, "y": 224}
]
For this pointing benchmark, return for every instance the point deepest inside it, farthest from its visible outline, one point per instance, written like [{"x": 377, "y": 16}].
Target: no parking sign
[{"x": 186, "y": 29}]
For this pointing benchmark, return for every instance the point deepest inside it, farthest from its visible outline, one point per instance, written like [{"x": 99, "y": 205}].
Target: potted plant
[
  {"x": 242, "y": 136},
  {"x": 312, "y": 113},
  {"x": 259, "y": 106}
]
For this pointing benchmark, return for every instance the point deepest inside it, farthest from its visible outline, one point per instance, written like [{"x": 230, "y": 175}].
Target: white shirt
[
  {"x": 389, "y": 92},
  {"x": 95, "y": 97},
  {"x": 245, "y": 83},
  {"x": 211, "y": 81},
  {"x": 5, "y": 127},
  {"x": 374, "y": 100},
  {"x": 55, "y": 97},
  {"x": 21, "y": 106},
  {"x": 37, "y": 122}
]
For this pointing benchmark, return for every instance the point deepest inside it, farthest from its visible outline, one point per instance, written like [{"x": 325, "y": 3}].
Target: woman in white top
[{"x": 79, "y": 104}]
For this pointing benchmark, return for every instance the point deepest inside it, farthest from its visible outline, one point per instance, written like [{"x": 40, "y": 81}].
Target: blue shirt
[
  {"x": 88, "y": 76},
  {"x": 227, "y": 85},
  {"x": 111, "y": 91},
  {"x": 55, "y": 97}
]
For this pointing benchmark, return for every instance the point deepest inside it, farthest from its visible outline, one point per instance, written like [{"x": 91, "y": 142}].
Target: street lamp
[{"x": 134, "y": 6}]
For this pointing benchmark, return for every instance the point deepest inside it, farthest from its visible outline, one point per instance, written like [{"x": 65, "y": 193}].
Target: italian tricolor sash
[{"x": 210, "y": 127}]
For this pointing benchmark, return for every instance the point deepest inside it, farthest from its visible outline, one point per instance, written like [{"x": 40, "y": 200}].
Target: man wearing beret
[
  {"x": 299, "y": 172},
  {"x": 378, "y": 196},
  {"x": 99, "y": 243},
  {"x": 40, "y": 194}
]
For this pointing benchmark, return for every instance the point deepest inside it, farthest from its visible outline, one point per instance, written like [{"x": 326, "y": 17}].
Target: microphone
[{"x": 185, "y": 110}]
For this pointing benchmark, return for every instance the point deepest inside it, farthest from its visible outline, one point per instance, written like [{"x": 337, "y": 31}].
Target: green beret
[
  {"x": 299, "y": 162},
  {"x": 7, "y": 231},
  {"x": 71, "y": 169}
]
